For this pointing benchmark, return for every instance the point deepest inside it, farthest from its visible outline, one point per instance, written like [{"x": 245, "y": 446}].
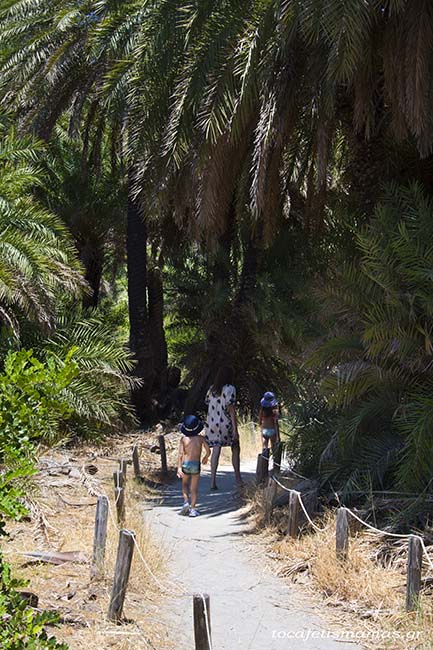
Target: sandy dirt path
[{"x": 251, "y": 609}]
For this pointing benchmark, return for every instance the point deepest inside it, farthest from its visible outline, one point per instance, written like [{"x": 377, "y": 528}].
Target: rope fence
[
  {"x": 416, "y": 544},
  {"x": 361, "y": 521},
  {"x": 201, "y": 623}
]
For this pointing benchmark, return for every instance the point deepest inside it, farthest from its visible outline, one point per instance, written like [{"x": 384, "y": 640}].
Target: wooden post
[
  {"x": 277, "y": 457},
  {"x": 123, "y": 466},
  {"x": 118, "y": 479},
  {"x": 119, "y": 495},
  {"x": 125, "y": 551},
  {"x": 270, "y": 495},
  {"x": 342, "y": 534},
  {"x": 293, "y": 523},
  {"x": 100, "y": 536},
  {"x": 262, "y": 470},
  {"x": 162, "y": 448},
  {"x": 202, "y": 630},
  {"x": 136, "y": 462},
  {"x": 414, "y": 565}
]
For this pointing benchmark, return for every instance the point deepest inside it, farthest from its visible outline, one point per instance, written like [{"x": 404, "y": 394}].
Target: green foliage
[
  {"x": 98, "y": 395},
  {"x": 37, "y": 259},
  {"x": 32, "y": 408},
  {"x": 23, "y": 628},
  {"x": 33, "y": 400},
  {"x": 380, "y": 381}
]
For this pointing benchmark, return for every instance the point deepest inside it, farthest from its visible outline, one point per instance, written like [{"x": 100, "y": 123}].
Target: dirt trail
[{"x": 251, "y": 609}]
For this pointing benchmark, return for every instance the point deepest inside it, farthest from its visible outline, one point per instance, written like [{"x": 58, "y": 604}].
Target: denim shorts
[
  {"x": 268, "y": 433},
  {"x": 191, "y": 467}
]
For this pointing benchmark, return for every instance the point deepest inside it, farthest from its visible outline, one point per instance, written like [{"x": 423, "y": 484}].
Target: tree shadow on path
[{"x": 211, "y": 503}]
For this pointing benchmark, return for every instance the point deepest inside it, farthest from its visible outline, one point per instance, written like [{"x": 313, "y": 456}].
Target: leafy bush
[
  {"x": 32, "y": 410},
  {"x": 33, "y": 403},
  {"x": 98, "y": 394},
  {"x": 22, "y": 627}
]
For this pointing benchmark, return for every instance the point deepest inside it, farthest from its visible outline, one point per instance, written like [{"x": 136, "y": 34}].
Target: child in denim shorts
[{"x": 188, "y": 464}]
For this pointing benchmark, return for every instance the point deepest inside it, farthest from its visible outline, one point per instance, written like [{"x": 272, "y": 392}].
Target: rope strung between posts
[
  {"x": 364, "y": 523},
  {"x": 385, "y": 532},
  {"x": 301, "y": 503},
  {"x": 140, "y": 554},
  {"x": 118, "y": 489},
  {"x": 283, "y": 466},
  {"x": 160, "y": 585}
]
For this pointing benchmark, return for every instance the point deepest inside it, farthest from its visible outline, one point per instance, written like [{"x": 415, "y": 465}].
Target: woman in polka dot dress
[{"x": 221, "y": 424}]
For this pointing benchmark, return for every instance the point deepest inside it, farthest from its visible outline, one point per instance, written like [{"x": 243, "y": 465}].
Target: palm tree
[
  {"x": 38, "y": 262},
  {"x": 247, "y": 108},
  {"x": 378, "y": 363},
  {"x": 86, "y": 64},
  {"x": 88, "y": 197}
]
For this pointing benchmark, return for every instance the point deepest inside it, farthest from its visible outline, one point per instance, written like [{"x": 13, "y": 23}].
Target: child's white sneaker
[
  {"x": 185, "y": 509},
  {"x": 193, "y": 512}
]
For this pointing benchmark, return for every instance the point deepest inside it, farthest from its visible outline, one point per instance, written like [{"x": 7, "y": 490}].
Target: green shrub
[
  {"x": 32, "y": 410},
  {"x": 32, "y": 402},
  {"x": 22, "y": 627}
]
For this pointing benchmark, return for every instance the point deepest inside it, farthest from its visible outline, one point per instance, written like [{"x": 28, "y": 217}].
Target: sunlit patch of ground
[
  {"x": 63, "y": 501},
  {"x": 365, "y": 596}
]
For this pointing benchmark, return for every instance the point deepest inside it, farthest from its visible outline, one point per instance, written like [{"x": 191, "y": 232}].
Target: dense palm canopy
[{"x": 264, "y": 166}]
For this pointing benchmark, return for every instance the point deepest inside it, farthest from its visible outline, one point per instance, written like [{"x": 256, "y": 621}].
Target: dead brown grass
[
  {"x": 250, "y": 442},
  {"x": 368, "y": 591},
  {"x": 63, "y": 520}
]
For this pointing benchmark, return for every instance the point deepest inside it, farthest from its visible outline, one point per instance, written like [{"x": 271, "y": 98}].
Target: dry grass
[
  {"x": 63, "y": 520},
  {"x": 250, "y": 441},
  {"x": 368, "y": 591},
  {"x": 362, "y": 582}
]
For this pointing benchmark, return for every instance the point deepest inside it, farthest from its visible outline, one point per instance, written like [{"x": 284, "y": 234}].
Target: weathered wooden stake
[
  {"x": 119, "y": 495},
  {"x": 118, "y": 479},
  {"x": 100, "y": 536},
  {"x": 202, "y": 630},
  {"x": 278, "y": 452},
  {"x": 123, "y": 466},
  {"x": 342, "y": 534},
  {"x": 270, "y": 495},
  {"x": 163, "y": 451},
  {"x": 262, "y": 470},
  {"x": 293, "y": 523},
  {"x": 414, "y": 565},
  {"x": 125, "y": 551},
  {"x": 136, "y": 462}
]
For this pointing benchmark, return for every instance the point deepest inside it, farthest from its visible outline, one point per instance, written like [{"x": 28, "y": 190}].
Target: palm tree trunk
[
  {"x": 92, "y": 259},
  {"x": 139, "y": 337},
  {"x": 156, "y": 327}
]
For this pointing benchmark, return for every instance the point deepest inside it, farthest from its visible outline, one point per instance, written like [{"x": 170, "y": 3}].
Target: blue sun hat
[
  {"x": 191, "y": 426},
  {"x": 269, "y": 401}
]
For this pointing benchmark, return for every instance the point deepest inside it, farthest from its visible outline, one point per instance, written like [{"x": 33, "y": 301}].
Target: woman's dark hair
[{"x": 224, "y": 375}]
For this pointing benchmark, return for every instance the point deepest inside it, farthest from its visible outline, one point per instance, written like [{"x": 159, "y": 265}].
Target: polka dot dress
[{"x": 219, "y": 429}]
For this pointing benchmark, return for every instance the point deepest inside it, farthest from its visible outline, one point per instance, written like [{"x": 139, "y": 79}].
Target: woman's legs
[
  {"x": 236, "y": 462},
  {"x": 214, "y": 460}
]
